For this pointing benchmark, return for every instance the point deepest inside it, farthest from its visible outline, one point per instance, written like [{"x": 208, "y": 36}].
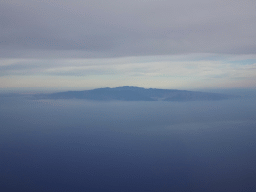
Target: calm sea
[{"x": 77, "y": 145}]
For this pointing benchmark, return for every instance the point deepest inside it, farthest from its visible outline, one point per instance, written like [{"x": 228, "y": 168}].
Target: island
[{"x": 131, "y": 93}]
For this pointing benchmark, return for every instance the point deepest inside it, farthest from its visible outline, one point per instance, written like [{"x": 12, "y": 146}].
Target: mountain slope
[{"x": 128, "y": 93}]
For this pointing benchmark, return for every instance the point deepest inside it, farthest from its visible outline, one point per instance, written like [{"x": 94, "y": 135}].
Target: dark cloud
[{"x": 110, "y": 28}]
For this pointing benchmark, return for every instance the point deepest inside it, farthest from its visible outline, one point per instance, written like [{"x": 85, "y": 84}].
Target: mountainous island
[{"x": 129, "y": 93}]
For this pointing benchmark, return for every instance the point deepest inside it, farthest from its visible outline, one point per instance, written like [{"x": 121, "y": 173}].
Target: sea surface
[{"x": 78, "y": 145}]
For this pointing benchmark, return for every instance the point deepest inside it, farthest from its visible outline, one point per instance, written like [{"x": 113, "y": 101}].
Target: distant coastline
[{"x": 130, "y": 93}]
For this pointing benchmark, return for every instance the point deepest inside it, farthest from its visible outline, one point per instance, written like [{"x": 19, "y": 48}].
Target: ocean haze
[{"x": 79, "y": 145}]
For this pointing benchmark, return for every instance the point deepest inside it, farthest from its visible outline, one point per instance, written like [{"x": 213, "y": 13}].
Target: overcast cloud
[
  {"x": 186, "y": 72},
  {"x": 149, "y": 43},
  {"x": 112, "y": 28}
]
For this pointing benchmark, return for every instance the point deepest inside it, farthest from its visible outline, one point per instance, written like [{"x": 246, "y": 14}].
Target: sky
[{"x": 77, "y": 44}]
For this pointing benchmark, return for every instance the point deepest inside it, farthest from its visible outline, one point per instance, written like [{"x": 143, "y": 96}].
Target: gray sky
[
  {"x": 38, "y": 37},
  {"x": 112, "y": 28}
]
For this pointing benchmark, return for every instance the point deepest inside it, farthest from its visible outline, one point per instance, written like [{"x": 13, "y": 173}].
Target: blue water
[{"x": 76, "y": 145}]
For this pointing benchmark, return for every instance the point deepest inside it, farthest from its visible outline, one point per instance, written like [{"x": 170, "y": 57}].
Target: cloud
[
  {"x": 151, "y": 43},
  {"x": 160, "y": 71},
  {"x": 112, "y": 28}
]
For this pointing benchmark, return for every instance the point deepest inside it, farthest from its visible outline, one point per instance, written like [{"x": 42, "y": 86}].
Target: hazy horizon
[{"x": 112, "y": 143}]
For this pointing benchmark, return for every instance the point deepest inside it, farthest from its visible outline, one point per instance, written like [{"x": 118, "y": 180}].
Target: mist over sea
[{"x": 79, "y": 145}]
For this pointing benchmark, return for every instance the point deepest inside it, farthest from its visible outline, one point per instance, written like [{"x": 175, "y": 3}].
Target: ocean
[{"x": 114, "y": 146}]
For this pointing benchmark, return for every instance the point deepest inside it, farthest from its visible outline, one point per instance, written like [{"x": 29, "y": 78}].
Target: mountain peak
[{"x": 132, "y": 93}]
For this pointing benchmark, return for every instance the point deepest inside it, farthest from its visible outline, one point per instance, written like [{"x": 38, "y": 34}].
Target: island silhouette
[{"x": 131, "y": 93}]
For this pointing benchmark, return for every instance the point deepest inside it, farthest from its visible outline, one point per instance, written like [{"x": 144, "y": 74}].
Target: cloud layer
[
  {"x": 149, "y": 43},
  {"x": 188, "y": 71},
  {"x": 112, "y": 28}
]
